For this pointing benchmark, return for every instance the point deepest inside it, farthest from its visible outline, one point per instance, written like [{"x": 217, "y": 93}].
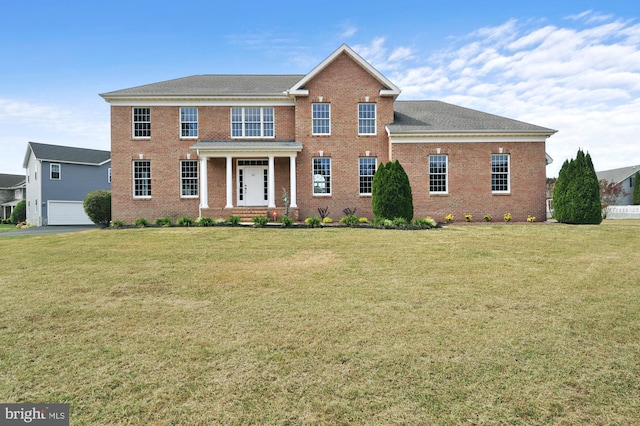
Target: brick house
[{"x": 215, "y": 145}]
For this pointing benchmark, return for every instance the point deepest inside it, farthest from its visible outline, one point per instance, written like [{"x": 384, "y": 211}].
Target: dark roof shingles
[{"x": 67, "y": 154}]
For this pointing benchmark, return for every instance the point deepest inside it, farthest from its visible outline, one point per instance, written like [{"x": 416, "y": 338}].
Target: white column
[
  {"x": 271, "y": 183},
  {"x": 292, "y": 182},
  {"x": 229, "y": 183},
  {"x": 204, "y": 184}
]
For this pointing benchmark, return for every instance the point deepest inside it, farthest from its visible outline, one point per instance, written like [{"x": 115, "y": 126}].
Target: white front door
[{"x": 252, "y": 185}]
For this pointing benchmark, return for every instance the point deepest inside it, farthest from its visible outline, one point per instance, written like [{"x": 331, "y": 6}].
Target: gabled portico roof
[{"x": 390, "y": 89}]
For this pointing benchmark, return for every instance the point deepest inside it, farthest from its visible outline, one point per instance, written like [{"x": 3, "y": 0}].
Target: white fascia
[{"x": 257, "y": 101}]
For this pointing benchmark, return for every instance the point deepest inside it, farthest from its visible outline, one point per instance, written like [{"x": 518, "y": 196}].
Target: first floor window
[
  {"x": 321, "y": 119},
  {"x": 438, "y": 174},
  {"x": 252, "y": 122},
  {"x": 141, "y": 122},
  {"x": 189, "y": 178},
  {"x": 55, "y": 171},
  {"x": 188, "y": 122},
  {"x": 109, "y": 175},
  {"x": 500, "y": 172},
  {"x": 367, "y": 168},
  {"x": 142, "y": 178},
  {"x": 322, "y": 176},
  {"x": 366, "y": 119}
]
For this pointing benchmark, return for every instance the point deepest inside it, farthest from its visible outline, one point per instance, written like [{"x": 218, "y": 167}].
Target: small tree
[
  {"x": 97, "y": 205},
  {"x": 609, "y": 194},
  {"x": 19, "y": 213},
  {"x": 576, "y": 194},
  {"x": 636, "y": 189},
  {"x": 391, "y": 195}
]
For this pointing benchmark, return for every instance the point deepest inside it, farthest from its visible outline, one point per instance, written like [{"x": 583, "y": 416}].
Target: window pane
[
  {"x": 142, "y": 178},
  {"x": 142, "y": 122},
  {"x": 438, "y": 173},
  {"x": 322, "y": 175},
  {"x": 189, "y": 178},
  {"x": 367, "y": 170},
  {"x": 189, "y": 122},
  {"x": 321, "y": 119},
  {"x": 367, "y": 119},
  {"x": 500, "y": 172}
]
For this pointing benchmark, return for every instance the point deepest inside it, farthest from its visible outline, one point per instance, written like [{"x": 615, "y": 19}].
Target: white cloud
[{"x": 24, "y": 121}]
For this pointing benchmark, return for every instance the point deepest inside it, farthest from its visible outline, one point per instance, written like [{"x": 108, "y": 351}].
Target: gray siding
[{"x": 76, "y": 181}]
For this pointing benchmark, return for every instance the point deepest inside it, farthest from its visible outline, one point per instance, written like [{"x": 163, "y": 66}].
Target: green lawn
[
  {"x": 7, "y": 227},
  {"x": 501, "y": 324}
]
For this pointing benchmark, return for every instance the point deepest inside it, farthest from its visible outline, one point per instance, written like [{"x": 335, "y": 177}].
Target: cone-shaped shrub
[
  {"x": 97, "y": 205},
  {"x": 636, "y": 189},
  {"x": 391, "y": 195},
  {"x": 576, "y": 194}
]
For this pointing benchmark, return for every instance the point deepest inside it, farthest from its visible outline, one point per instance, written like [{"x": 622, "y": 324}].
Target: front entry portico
[{"x": 255, "y": 178}]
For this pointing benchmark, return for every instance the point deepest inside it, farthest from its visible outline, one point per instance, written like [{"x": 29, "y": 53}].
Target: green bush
[
  {"x": 260, "y": 221},
  {"x": 184, "y": 221},
  {"x": 205, "y": 221},
  {"x": 313, "y": 222},
  {"x": 391, "y": 195},
  {"x": 164, "y": 221},
  {"x": 350, "y": 220},
  {"x": 118, "y": 224},
  {"x": 233, "y": 220},
  {"x": 636, "y": 189},
  {"x": 19, "y": 213},
  {"x": 576, "y": 194},
  {"x": 97, "y": 205},
  {"x": 286, "y": 221},
  {"x": 142, "y": 222},
  {"x": 425, "y": 223},
  {"x": 400, "y": 222}
]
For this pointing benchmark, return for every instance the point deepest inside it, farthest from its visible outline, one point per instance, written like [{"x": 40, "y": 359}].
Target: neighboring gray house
[
  {"x": 12, "y": 190},
  {"x": 58, "y": 179},
  {"x": 624, "y": 176}
]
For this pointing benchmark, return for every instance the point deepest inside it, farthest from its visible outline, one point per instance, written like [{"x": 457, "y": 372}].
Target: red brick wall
[
  {"x": 470, "y": 180},
  {"x": 165, "y": 149},
  {"x": 344, "y": 84}
]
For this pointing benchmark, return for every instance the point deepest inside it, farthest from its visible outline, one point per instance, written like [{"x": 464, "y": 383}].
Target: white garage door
[{"x": 67, "y": 213}]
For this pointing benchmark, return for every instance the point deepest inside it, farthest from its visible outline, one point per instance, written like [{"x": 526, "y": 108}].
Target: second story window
[
  {"x": 55, "y": 171},
  {"x": 141, "y": 122},
  {"x": 366, "y": 119},
  {"x": 321, "y": 119},
  {"x": 188, "y": 122},
  {"x": 254, "y": 122}
]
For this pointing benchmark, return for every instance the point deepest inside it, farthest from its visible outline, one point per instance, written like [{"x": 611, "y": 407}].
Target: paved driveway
[{"x": 40, "y": 230}]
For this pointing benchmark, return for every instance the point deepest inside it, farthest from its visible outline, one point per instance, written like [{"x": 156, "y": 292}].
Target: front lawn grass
[
  {"x": 502, "y": 324},
  {"x": 7, "y": 227}
]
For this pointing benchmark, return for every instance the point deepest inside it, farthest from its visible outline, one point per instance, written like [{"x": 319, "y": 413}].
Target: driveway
[{"x": 40, "y": 230}]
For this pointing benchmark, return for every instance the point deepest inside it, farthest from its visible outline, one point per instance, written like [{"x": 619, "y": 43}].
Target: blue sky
[{"x": 571, "y": 65}]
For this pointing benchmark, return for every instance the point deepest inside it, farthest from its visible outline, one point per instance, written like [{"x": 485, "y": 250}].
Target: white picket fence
[{"x": 623, "y": 212}]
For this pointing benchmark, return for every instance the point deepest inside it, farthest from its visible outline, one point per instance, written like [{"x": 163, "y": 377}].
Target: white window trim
[
  {"x": 197, "y": 123},
  {"x": 243, "y": 122},
  {"x": 375, "y": 119},
  {"x": 508, "y": 190},
  {"x": 375, "y": 160},
  {"x": 322, "y": 194},
  {"x": 133, "y": 180},
  {"x": 197, "y": 180},
  {"x": 312, "y": 119},
  {"x": 133, "y": 122},
  {"x": 51, "y": 171},
  {"x": 446, "y": 175}
]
